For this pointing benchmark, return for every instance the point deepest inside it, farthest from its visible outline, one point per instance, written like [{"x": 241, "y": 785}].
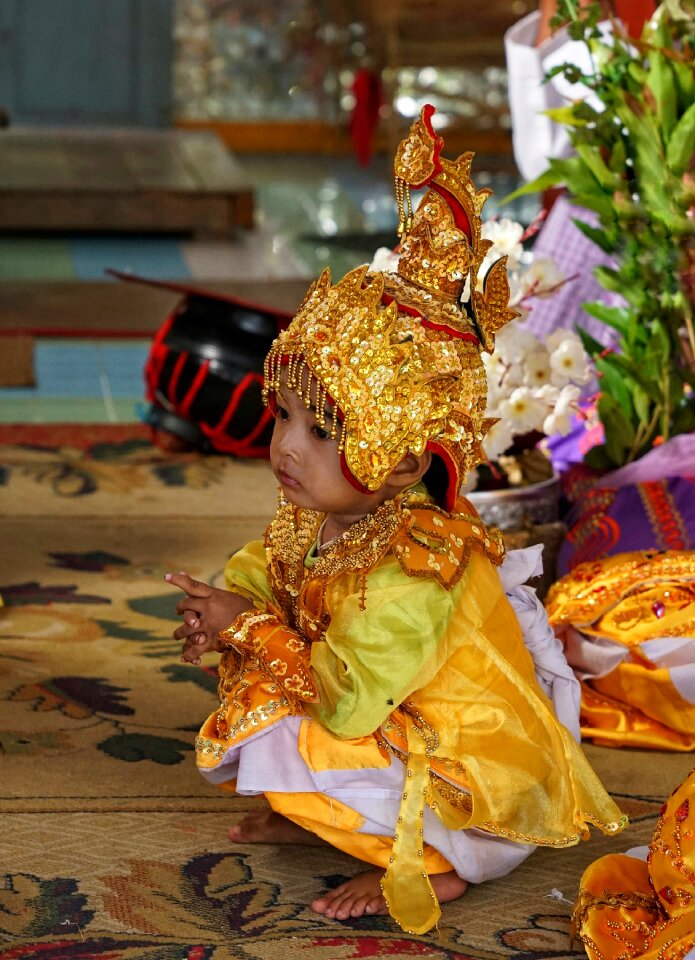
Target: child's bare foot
[
  {"x": 266, "y": 826},
  {"x": 362, "y": 894}
]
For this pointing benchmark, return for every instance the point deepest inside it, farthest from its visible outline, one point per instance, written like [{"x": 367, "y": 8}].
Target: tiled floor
[
  {"x": 310, "y": 212},
  {"x": 80, "y": 381}
]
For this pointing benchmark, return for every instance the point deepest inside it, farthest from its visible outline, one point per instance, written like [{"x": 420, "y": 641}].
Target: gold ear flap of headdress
[{"x": 491, "y": 305}]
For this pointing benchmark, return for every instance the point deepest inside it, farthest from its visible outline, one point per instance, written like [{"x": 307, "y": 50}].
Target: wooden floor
[{"x": 121, "y": 180}]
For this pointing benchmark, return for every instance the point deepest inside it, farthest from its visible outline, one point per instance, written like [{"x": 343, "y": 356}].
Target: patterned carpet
[{"x": 112, "y": 845}]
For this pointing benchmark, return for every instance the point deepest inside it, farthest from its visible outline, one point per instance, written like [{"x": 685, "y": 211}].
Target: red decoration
[{"x": 368, "y": 93}]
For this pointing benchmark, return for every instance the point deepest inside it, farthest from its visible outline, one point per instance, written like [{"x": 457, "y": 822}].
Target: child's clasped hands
[{"x": 206, "y": 611}]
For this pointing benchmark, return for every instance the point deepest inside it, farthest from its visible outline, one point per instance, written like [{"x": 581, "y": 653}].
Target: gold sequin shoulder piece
[{"x": 436, "y": 544}]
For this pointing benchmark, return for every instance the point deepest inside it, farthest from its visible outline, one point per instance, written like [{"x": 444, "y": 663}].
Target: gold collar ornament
[{"x": 398, "y": 354}]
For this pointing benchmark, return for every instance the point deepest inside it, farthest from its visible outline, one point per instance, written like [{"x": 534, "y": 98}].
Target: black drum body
[{"x": 204, "y": 372}]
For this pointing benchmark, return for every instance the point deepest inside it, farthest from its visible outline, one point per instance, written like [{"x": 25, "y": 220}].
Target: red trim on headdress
[
  {"x": 460, "y": 216},
  {"x": 452, "y": 472},
  {"x": 387, "y": 299},
  {"x": 426, "y": 115},
  {"x": 456, "y": 334},
  {"x": 350, "y": 478}
]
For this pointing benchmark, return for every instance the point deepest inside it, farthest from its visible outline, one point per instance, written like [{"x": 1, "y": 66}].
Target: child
[{"x": 374, "y": 684}]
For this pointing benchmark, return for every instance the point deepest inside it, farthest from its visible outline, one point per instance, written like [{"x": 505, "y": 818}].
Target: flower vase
[
  {"x": 516, "y": 508},
  {"x": 526, "y": 515}
]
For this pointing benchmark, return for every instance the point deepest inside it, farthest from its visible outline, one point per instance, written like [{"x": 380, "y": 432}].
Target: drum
[{"x": 204, "y": 372}]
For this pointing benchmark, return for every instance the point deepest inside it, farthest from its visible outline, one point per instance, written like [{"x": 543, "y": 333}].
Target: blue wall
[{"x": 79, "y": 62}]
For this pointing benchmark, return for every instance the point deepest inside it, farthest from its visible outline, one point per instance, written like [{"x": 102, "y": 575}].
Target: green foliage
[{"x": 634, "y": 166}]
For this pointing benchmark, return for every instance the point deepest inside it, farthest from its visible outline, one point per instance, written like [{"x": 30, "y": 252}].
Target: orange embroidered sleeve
[{"x": 281, "y": 652}]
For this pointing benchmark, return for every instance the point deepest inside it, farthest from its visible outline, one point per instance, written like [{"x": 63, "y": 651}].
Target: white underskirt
[{"x": 270, "y": 761}]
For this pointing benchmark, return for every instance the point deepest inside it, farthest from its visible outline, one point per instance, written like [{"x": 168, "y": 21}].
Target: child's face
[{"x": 306, "y": 462}]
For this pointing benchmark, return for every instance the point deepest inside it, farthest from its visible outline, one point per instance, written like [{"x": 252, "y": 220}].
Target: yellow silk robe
[{"x": 398, "y": 639}]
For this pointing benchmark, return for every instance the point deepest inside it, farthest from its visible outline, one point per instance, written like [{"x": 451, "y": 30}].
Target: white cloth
[
  {"x": 555, "y": 676},
  {"x": 593, "y": 656},
  {"x": 535, "y": 137},
  {"x": 270, "y": 762}
]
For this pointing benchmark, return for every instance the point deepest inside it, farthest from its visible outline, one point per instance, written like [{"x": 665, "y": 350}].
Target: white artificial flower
[
  {"x": 495, "y": 367},
  {"x": 506, "y": 237},
  {"x": 537, "y": 367},
  {"x": 513, "y": 344},
  {"x": 522, "y": 411},
  {"x": 560, "y": 419},
  {"x": 560, "y": 335},
  {"x": 569, "y": 363},
  {"x": 498, "y": 439},
  {"x": 517, "y": 289},
  {"x": 384, "y": 260},
  {"x": 541, "y": 279},
  {"x": 494, "y": 397},
  {"x": 547, "y": 394}
]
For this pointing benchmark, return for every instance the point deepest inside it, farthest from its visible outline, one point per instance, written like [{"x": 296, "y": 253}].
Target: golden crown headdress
[{"x": 399, "y": 353}]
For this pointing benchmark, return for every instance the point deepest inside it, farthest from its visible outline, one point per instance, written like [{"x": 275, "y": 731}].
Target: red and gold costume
[
  {"x": 397, "y": 666},
  {"x": 380, "y": 693}
]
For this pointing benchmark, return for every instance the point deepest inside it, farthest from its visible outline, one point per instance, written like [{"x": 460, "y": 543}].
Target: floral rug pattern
[
  {"x": 113, "y": 846},
  {"x": 109, "y": 468}
]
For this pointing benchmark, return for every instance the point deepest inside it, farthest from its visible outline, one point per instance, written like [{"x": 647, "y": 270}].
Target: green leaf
[
  {"x": 619, "y": 431},
  {"x": 567, "y": 116},
  {"x": 618, "y": 155},
  {"x": 643, "y": 408},
  {"x": 684, "y": 419},
  {"x": 613, "y": 383},
  {"x": 598, "y": 459},
  {"x": 681, "y": 146},
  {"x": 547, "y": 179},
  {"x": 685, "y": 83},
  {"x": 637, "y": 374},
  {"x": 601, "y": 238},
  {"x": 637, "y": 72},
  {"x": 643, "y": 131},
  {"x": 590, "y": 344},
  {"x": 592, "y": 159},
  {"x": 662, "y": 82},
  {"x": 609, "y": 279},
  {"x": 597, "y": 201},
  {"x": 619, "y": 318},
  {"x": 576, "y": 30}
]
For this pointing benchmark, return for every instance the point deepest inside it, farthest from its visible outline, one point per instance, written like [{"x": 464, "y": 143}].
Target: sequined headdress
[{"x": 398, "y": 354}]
